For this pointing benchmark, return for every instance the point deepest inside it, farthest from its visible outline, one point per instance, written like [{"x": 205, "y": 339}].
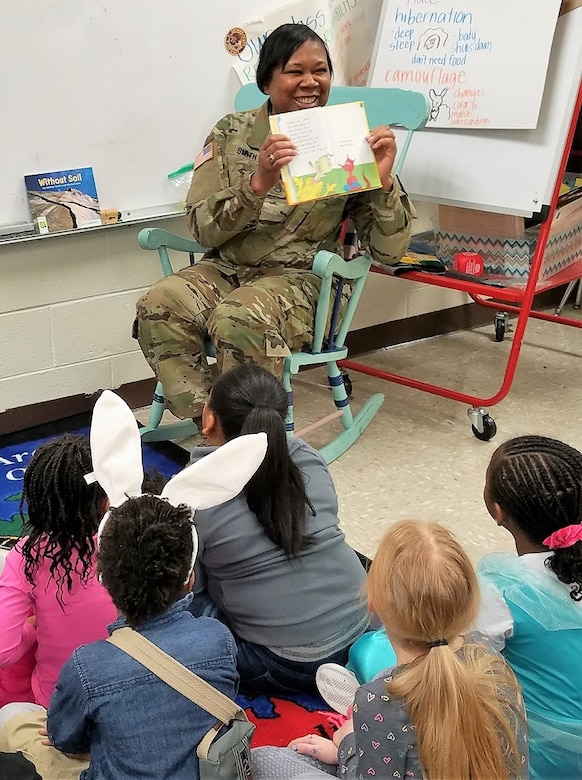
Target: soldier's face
[{"x": 303, "y": 82}]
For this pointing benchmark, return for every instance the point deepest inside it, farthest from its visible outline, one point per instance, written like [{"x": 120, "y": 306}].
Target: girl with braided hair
[
  {"x": 532, "y": 604},
  {"x": 49, "y": 594}
]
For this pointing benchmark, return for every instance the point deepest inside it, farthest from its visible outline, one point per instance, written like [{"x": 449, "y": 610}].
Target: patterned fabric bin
[{"x": 510, "y": 258}]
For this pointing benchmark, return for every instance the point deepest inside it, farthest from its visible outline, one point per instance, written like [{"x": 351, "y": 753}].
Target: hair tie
[
  {"x": 438, "y": 643},
  {"x": 564, "y": 537}
]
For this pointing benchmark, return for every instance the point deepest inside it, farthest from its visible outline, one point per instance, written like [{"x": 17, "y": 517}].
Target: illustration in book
[
  {"x": 333, "y": 155},
  {"x": 63, "y": 200}
]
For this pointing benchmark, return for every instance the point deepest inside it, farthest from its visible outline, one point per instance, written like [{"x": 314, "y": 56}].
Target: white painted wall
[{"x": 67, "y": 305}]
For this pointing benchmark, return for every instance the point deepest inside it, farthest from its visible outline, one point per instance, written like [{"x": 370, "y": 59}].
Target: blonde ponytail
[
  {"x": 464, "y": 705},
  {"x": 462, "y": 729}
]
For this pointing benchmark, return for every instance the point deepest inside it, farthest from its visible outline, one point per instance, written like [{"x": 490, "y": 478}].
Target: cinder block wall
[
  {"x": 66, "y": 308},
  {"x": 67, "y": 304}
]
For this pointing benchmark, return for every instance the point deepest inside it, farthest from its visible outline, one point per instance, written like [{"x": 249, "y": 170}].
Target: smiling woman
[
  {"x": 253, "y": 294},
  {"x": 296, "y": 70}
]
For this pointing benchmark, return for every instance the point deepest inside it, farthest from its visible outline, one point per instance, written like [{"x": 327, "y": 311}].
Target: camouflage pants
[{"x": 249, "y": 314}]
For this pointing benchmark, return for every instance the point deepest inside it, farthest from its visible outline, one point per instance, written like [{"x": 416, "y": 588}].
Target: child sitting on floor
[
  {"x": 448, "y": 709},
  {"x": 274, "y": 564},
  {"x": 109, "y": 716},
  {"x": 50, "y": 600},
  {"x": 532, "y": 603}
]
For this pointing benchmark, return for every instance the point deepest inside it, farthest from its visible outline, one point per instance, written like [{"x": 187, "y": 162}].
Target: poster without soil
[{"x": 63, "y": 200}]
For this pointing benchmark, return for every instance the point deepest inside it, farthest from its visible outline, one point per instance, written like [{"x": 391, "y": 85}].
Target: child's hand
[
  {"x": 44, "y": 733},
  {"x": 317, "y": 747}
]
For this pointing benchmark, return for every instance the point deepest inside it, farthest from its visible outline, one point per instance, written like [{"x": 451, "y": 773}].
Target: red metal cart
[{"x": 504, "y": 300}]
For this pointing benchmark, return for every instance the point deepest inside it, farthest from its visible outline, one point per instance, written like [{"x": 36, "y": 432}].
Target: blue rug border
[{"x": 80, "y": 422}]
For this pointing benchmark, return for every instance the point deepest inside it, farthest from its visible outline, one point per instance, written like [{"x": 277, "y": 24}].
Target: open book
[{"x": 333, "y": 156}]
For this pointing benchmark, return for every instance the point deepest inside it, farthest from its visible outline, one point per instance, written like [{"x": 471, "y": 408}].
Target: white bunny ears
[{"x": 117, "y": 463}]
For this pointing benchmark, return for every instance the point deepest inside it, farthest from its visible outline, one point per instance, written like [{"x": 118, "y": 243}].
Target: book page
[
  {"x": 348, "y": 128},
  {"x": 308, "y": 131},
  {"x": 333, "y": 156}
]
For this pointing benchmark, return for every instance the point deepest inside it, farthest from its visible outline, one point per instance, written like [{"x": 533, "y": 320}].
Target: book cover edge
[{"x": 286, "y": 178}]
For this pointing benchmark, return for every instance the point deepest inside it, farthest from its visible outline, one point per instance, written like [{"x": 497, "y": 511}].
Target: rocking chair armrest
[
  {"x": 155, "y": 238},
  {"x": 327, "y": 264}
]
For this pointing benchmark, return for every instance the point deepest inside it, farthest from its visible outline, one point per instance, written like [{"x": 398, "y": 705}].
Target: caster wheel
[
  {"x": 347, "y": 383},
  {"x": 500, "y": 327},
  {"x": 489, "y": 429}
]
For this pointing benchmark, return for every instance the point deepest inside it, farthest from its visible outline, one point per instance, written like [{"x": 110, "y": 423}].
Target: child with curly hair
[{"x": 50, "y": 598}]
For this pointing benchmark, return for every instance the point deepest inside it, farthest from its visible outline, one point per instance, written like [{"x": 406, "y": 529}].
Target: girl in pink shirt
[{"x": 49, "y": 594}]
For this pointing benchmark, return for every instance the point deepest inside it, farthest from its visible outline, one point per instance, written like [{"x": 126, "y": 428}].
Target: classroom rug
[
  {"x": 279, "y": 719},
  {"x": 167, "y": 458}
]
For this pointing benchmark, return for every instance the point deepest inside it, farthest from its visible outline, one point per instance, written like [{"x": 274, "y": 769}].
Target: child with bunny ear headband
[
  {"x": 117, "y": 464},
  {"x": 105, "y": 702}
]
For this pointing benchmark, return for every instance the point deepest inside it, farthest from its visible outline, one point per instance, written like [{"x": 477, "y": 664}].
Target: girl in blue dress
[{"x": 531, "y": 606}]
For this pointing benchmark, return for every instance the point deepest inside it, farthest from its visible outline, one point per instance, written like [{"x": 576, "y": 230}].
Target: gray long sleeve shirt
[{"x": 303, "y": 608}]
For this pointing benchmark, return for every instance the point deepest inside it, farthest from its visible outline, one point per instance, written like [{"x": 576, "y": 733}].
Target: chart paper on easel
[{"x": 481, "y": 64}]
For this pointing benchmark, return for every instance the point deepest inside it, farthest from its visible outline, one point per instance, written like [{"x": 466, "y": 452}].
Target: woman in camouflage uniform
[{"x": 254, "y": 293}]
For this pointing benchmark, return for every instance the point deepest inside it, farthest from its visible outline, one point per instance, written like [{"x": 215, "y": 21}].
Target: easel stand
[{"x": 508, "y": 300}]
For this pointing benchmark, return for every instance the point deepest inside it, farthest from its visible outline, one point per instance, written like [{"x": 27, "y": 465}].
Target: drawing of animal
[
  {"x": 436, "y": 104},
  {"x": 322, "y": 166},
  {"x": 309, "y": 189},
  {"x": 352, "y": 182}
]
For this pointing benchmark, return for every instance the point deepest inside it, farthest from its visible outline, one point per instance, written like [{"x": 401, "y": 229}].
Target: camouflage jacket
[{"x": 245, "y": 230}]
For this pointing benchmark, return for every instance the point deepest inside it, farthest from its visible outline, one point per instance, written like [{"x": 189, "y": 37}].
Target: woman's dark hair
[
  {"x": 63, "y": 510},
  {"x": 278, "y": 48},
  {"x": 538, "y": 482},
  {"x": 145, "y": 553},
  {"x": 248, "y": 399}
]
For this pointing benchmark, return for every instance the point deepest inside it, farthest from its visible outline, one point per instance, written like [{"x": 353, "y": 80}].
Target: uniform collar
[{"x": 260, "y": 129}]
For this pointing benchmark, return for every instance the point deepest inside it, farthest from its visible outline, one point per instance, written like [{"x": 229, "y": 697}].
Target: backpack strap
[{"x": 176, "y": 675}]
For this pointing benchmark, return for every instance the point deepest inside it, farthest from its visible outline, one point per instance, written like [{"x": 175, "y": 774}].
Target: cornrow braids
[
  {"x": 145, "y": 552},
  {"x": 538, "y": 482},
  {"x": 63, "y": 511}
]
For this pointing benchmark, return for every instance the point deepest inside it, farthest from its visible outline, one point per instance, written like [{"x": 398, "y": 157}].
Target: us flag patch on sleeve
[{"x": 206, "y": 154}]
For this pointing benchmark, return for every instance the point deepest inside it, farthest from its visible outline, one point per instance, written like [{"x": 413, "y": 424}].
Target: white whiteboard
[
  {"x": 504, "y": 171},
  {"x": 128, "y": 87},
  {"x": 132, "y": 88}
]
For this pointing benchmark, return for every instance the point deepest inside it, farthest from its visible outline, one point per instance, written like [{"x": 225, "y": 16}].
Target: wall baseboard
[
  {"x": 22, "y": 418},
  {"x": 359, "y": 342}
]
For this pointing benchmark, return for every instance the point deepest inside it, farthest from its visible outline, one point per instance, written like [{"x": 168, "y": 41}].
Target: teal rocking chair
[{"x": 383, "y": 106}]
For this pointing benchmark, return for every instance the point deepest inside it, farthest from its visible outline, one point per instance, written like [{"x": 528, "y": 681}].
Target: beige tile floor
[{"x": 418, "y": 458}]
